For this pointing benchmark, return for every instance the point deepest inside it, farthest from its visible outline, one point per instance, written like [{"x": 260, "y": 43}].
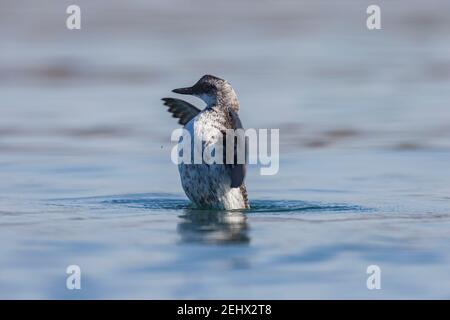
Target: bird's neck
[{"x": 226, "y": 99}]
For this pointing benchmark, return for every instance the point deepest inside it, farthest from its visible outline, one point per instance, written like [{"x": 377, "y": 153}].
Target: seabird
[{"x": 211, "y": 186}]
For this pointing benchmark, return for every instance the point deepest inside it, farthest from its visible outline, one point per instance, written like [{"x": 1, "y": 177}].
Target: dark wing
[
  {"x": 180, "y": 109},
  {"x": 237, "y": 171}
]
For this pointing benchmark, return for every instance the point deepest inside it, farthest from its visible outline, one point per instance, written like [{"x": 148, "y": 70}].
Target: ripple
[
  {"x": 284, "y": 206},
  {"x": 164, "y": 201}
]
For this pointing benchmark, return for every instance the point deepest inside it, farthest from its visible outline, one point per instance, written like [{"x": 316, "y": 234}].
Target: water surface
[{"x": 85, "y": 171}]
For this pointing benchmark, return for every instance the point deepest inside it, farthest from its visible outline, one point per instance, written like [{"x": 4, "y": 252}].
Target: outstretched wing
[
  {"x": 237, "y": 170},
  {"x": 181, "y": 109}
]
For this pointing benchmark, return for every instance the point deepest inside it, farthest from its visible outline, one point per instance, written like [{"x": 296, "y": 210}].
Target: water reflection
[{"x": 213, "y": 227}]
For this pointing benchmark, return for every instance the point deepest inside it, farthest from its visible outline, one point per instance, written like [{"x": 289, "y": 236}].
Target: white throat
[{"x": 209, "y": 99}]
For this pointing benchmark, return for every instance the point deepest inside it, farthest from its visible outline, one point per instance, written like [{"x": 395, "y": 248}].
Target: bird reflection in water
[{"x": 213, "y": 227}]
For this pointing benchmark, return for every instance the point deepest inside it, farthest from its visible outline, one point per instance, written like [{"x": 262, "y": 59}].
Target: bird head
[{"x": 213, "y": 91}]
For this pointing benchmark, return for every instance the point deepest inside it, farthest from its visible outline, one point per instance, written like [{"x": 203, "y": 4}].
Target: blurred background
[
  {"x": 312, "y": 69},
  {"x": 364, "y": 120}
]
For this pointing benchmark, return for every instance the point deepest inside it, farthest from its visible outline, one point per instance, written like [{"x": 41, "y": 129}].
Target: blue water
[
  {"x": 85, "y": 171},
  {"x": 293, "y": 243}
]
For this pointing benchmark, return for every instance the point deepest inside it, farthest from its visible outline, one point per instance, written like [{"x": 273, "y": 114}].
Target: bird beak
[{"x": 188, "y": 90}]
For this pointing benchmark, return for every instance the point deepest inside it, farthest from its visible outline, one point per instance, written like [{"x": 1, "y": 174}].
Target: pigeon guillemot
[{"x": 217, "y": 185}]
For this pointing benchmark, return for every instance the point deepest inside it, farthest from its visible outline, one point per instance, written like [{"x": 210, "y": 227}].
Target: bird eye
[{"x": 208, "y": 88}]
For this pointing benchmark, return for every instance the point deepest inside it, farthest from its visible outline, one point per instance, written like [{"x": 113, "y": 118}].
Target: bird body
[{"x": 216, "y": 185}]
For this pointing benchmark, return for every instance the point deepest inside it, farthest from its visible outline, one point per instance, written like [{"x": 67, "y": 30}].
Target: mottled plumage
[{"x": 217, "y": 186}]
